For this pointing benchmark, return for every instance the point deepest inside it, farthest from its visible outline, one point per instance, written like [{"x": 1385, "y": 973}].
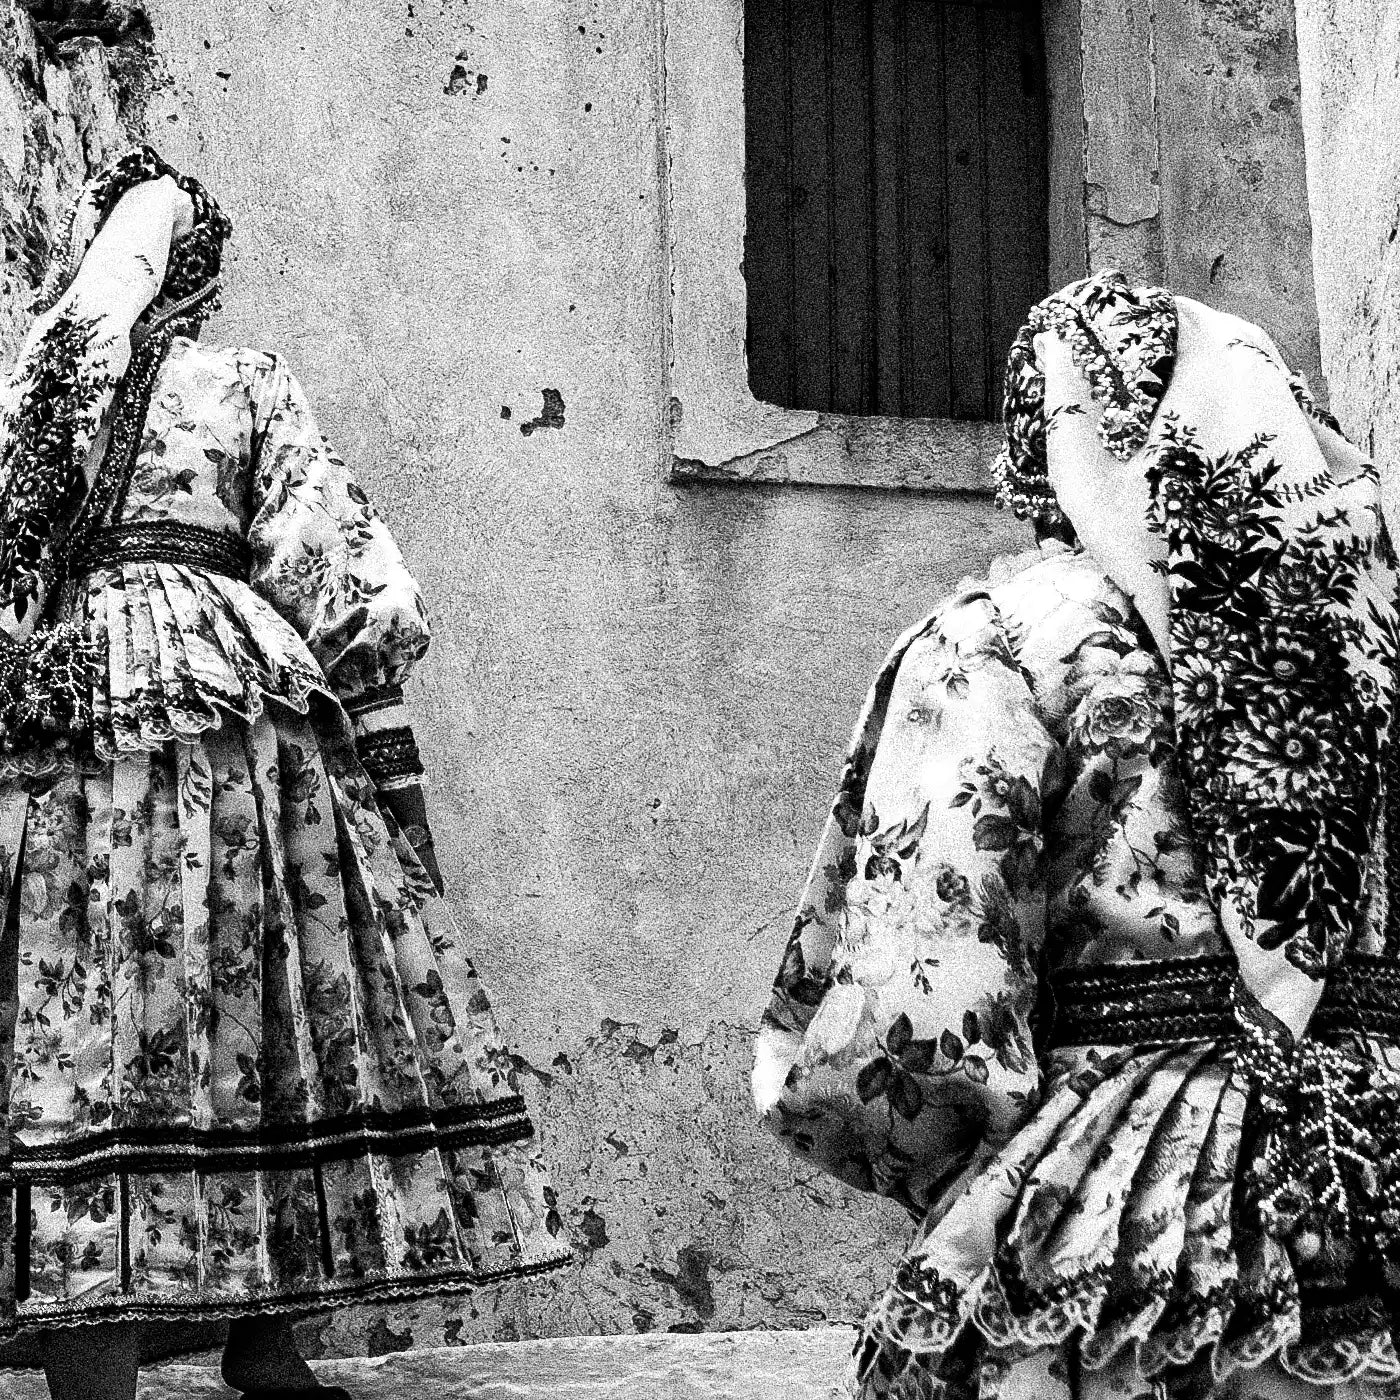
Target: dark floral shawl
[
  {"x": 1281, "y": 579},
  {"x": 62, "y": 386}
]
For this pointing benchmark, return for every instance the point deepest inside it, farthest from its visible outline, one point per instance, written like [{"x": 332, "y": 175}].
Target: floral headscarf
[
  {"x": 1281, "y": 579},
  {"x": 196, "y": 259},
  {"x": 62, "y": 387},
  {"x": 73, "y": 377}
]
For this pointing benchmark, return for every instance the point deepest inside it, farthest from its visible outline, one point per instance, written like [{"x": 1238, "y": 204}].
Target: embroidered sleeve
[
  {"x": 323, "y": 556},
  {"x": 898, "y": 1035}
]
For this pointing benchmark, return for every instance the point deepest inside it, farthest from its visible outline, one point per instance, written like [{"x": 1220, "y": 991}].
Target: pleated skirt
[
  {"x": 1101, "y": 1254},
  {"x": 249, "y": 1066}
]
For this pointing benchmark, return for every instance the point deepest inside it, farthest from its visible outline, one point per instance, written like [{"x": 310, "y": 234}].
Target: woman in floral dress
[
  {"x": 251, "y": 1071},
  {"x": 1098, "y": 967}
]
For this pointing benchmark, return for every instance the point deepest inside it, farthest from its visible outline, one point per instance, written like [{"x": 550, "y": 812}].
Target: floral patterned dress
[
  {"x": 1011, "y": 999},
  {"x": 249, "y": 1064}
]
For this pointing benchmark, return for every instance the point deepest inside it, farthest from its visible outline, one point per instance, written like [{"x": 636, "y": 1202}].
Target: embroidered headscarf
[
  {"x": 63, "y": 385},
  {"x": 1281, "y": 583},
  {"x": 88, "y": 364}
]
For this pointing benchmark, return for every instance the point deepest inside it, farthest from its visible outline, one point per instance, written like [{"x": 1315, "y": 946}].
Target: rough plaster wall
[
  {"x": 1349, "y": 52},
  {"x": 1193, "y": 155},
  {"x": 1122, "y": 177},
  {"x": 1236, "y": 229},
  {"x": 448, "y": 216}
]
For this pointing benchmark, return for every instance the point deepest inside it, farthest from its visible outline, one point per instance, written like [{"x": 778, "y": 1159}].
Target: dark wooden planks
[
  {"x": 808, "y": 202},
  {"x": 897, "y": 184},
  {"x": 889, "y": 190},
  {"x": 965, "y": 177},
  {"x": 928, "y": 361},
  {"x": 1018, "y": 225},
  {"x": 851, "y": 241},
  {"x": 768, "y": 263}
]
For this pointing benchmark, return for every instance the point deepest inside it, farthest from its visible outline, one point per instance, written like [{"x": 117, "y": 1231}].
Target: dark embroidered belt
[
  {"x": 165, "y": 542},
  {"x": 1179, "y": 1000}
]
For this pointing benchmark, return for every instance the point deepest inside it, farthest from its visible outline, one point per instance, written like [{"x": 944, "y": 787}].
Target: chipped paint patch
[
  {"x": 552, "y": 415},
  {"x": 731, "y": 1232}
]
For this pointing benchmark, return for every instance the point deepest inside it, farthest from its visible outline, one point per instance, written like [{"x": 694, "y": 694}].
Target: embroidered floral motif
[
  {"x": 1279, "y": 711},
  {"x": 58, "y": 392},
  {"x": 1330, "y": 1167}
]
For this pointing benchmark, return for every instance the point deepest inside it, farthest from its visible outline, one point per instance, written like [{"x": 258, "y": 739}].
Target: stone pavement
[{"x": 655, "y": 1366}]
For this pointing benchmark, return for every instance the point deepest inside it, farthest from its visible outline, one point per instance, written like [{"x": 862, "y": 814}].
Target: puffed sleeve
[
  {"x": 898, "y": 1038},
  {"x": 324, "y": 558}
]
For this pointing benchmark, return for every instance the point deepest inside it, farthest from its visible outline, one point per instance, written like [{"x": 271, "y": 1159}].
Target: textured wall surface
[
  {"x": 449, "y": 218},
  {"x": 1194, "y": 160},
  {"x": 1349, "y": 54},
  {"x": 72, "y": 92}
]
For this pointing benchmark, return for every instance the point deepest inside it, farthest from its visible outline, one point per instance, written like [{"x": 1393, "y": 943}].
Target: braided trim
[
  {"x": 1177, "y": 1001},
  {"x": 389, "y": 754},
  {"x": 168, "y": 542}
]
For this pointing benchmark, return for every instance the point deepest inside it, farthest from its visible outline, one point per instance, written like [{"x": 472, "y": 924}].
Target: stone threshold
[{"x": 654, "y": 1366}]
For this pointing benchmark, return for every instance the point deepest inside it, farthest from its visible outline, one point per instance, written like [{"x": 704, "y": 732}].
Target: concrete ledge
[
  {"x": 655, "y": 1366},
  {"x": 909, "y": 454}
]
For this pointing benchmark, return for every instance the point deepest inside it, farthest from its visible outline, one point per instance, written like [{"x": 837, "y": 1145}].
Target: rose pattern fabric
[
  {"x": 253, "y": 1067},
  {"x": 1029, "y": 796}
]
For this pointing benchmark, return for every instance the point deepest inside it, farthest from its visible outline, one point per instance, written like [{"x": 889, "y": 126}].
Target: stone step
[{"x": 654, "y": 1366}]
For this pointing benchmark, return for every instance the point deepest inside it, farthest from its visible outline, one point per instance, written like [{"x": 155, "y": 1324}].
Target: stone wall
[
  {"x": 73, "y": 87},
  {"x": 1349, "y": 53}
]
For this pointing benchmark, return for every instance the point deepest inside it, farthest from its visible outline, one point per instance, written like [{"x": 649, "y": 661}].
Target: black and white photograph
[{"x": 700, "y": 699}]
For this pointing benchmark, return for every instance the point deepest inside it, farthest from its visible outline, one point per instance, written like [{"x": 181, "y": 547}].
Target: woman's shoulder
[
  {"x": 232, "y": 362},
  {"x": 1046, "y": 603},
  {"x": 1029, "y": 588},
  {"x": 1028, "y": 608},
  {"x": 1032, "y": 588}
]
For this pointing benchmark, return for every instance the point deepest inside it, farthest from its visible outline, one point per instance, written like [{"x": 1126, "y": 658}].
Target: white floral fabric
[
  {"x": 249, "y": 1064},
  {"x": 1045, "y": 822}
]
